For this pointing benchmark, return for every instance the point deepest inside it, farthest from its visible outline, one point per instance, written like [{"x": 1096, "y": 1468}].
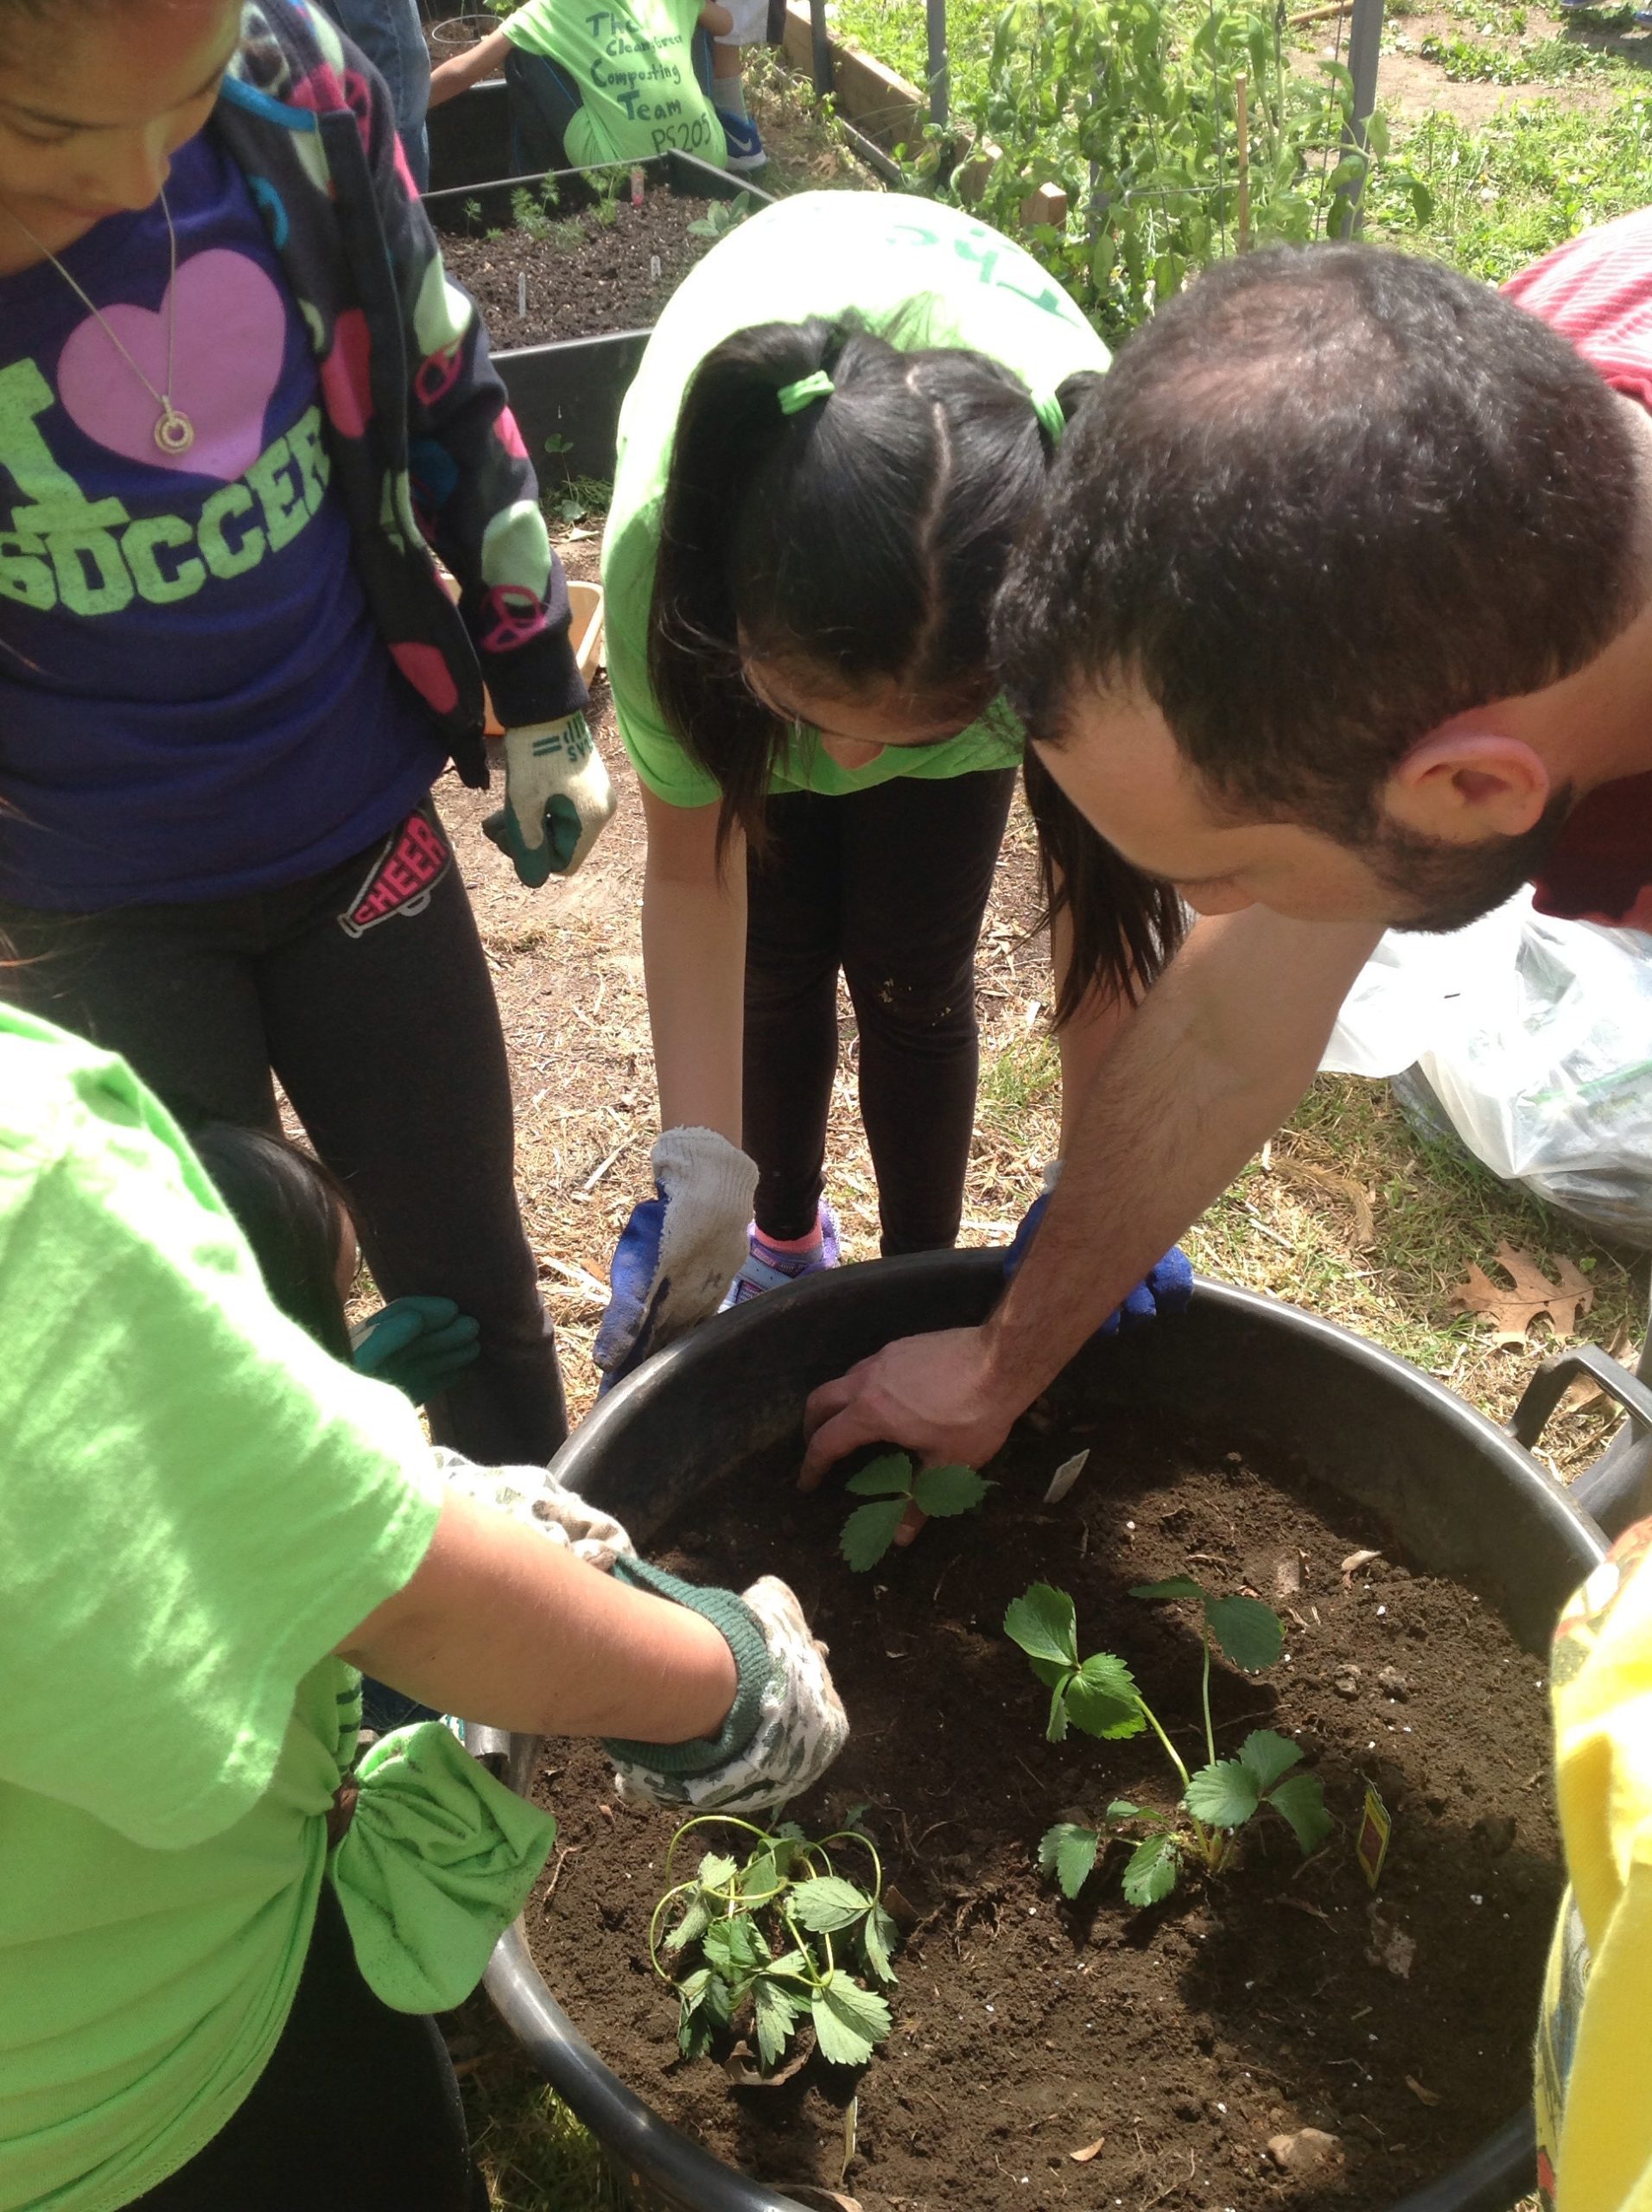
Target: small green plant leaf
[
  {"x": 878, "y": 1938},
  {"x": 1103, "y": 1700},
  {"x": 693, "y": 1924},
  {"x": 827, "y": 1904},
  {"x": 761, "y": 1879},
  {"x": 1043, "y": 1622},
  {"x": 1151, "y": 1870},
  {"x": 1055, "y": 1728},
  {"x": 1174, "y": 1586},
  {"x": 1223, "y": 1796},
  {"x": 1250, "y": 1635},
  {"x": 693, "y": 2029},
  {"x": 889, "y": 1477},
  {"x": 776, "y": 2011},
  {"x": 870, "y": 1530},
  {"x": 791, "y": 1962},
  {"x": 717, "y": 1873},
  {"x": 1122, "y": 1810},
  {"x": 1067, "y": 1853},
  {"x": 1267, "y": 1755},
  {"x": 1301, "y": 1800},
  {"x": 735, "y": 1946},
  {"x": 943, "y": 1491},
  {"x": 849, "y": 2020}
]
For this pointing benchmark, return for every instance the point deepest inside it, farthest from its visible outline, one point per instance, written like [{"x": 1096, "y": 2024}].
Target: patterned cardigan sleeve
[{"x": 475, "y": 491}]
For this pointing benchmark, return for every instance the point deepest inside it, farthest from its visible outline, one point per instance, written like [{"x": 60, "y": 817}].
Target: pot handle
[{"x": 1618, "y": 1488}]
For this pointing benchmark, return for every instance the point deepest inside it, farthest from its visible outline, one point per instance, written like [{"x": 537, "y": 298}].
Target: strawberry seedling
[
  {"x": 938, "y": 1492},
  {"x": 1099, "y": 1696},
  {"x": 781, "y": 1938}
]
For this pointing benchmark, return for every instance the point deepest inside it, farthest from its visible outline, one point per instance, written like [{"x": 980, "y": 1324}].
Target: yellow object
[
  {"x": 1594, "y": 2050},
  {"x": 1374, "y": 1829}
]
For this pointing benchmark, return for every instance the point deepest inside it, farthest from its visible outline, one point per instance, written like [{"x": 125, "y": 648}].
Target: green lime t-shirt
[
  {"x": 634, "y": 62},
  {"x": 952, "y": 281},
  {"x": 196, "y": 1505}
]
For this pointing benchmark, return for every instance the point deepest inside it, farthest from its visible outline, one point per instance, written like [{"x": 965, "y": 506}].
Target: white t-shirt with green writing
[
  {"x": 950, "y": 281},
  {"x": 634, "y": 63}
]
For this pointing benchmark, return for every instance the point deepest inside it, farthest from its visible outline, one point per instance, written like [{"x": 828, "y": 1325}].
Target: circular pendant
[{"x": 174, "y": 433}]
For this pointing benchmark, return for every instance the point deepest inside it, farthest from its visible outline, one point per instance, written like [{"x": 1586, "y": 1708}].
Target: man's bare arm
[{"x": 1212, "y": 1062}]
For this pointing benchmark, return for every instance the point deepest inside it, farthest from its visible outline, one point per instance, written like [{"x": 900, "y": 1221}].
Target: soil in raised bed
[
  {"x": 587, "y": 273},
  {"x": 1280, "y": 1996}
]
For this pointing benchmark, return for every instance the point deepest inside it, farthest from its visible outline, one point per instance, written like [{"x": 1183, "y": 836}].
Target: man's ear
[{"x": 1465, "y": 784}]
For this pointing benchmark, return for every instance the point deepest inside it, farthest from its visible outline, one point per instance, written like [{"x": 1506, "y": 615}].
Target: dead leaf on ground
[
  {"x": 1065, "y": 1476},
  {"x": 1582, "y": 1393},
  {"x": 1426, "y": 2096},
  {"x": 1082, "y": 2158},
  {"x": 744, "y": 2070},
  {"x": 1351, "y": 1565},
  {"x": 1344, "y": 1186},
  {"x": 1513, "y": 1312}
]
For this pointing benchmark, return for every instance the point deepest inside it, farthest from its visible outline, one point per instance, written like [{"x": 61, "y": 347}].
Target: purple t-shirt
[{"x": 194, "y": 701}]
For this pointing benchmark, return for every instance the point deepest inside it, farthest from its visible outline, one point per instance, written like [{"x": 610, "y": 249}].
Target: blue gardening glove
[
  {"x": 418, "y": 1344},
  {"x": 680, "y": 1251},
  {"x": 784, "y": 1728},
  {"x": 1165, "y": 1289},
  {"x": 557, "y": 799}
]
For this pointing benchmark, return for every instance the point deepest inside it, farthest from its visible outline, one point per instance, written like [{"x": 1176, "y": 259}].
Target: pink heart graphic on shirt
[{"x": 231, "y": 338}]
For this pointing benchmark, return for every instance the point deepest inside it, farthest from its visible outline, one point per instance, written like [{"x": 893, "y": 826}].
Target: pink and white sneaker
[{"x": 771, "y": 1266}]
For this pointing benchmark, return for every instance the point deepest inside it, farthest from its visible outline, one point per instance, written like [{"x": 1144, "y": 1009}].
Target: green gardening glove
[
  {"x": 418, "y": 1345},
  {"x": 558, "y": 799}
]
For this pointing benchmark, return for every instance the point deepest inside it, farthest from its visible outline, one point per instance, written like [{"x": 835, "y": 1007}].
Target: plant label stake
[{"x": 1375, "y": 1828}]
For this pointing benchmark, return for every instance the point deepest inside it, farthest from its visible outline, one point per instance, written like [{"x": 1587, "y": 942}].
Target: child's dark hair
[
  {"x": 289, "y": 1210},
  {"x": 865, "y": 535}
]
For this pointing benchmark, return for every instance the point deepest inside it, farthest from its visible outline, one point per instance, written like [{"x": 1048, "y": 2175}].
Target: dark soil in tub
[
  {"x": 1184, "y": 2037},
  {"x": 587, "y": 273}
]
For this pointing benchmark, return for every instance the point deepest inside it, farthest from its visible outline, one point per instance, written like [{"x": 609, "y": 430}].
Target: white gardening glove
[
  {"x": 540, "y": 1499},
  {"x": 679, "y": 1251},
  {"x": 784, "y": 1728},
  {"x": 557, "y": 799}
]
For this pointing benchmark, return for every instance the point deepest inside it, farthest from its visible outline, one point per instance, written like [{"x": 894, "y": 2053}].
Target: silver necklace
[{"x": 174, "y": 431}]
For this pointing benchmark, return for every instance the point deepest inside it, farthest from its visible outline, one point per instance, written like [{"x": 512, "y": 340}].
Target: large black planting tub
[
  {"x": 1462, "y": 1495},
  {"x": 566, "y": 397}
]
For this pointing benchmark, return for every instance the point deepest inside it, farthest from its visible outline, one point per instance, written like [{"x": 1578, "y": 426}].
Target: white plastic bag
[{"x": 1534, "y": 1036}]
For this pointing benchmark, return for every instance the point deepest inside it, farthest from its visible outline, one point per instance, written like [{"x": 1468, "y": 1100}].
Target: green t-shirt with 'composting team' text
[
  {"x": 634, "y": 62},
  {"x": 197, "y": 1505},
  {"x": 950, "y": 281}
]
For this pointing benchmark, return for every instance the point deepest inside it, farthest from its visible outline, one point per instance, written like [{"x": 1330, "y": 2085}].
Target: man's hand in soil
[
  {"x": 680, "y": 1251},
  {"x": 1212, "y": 1062},
  {"x": 558, "y": 799},
  {"x": 784, "y": 1728}
]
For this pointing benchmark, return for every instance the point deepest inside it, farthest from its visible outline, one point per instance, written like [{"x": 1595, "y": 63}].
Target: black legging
[
  {"x": 367, "y": 991},
  {"x": 890, "y": 885},
  {"x": 357, "y": 2107}
]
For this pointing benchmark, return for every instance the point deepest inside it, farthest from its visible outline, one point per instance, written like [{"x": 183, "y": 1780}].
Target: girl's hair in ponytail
[{"x": 865, "y": 536}]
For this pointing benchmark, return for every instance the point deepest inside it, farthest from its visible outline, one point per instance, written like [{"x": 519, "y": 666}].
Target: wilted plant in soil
[
  {"x": 1099, "y": 1695},
  {"x": 938, "y": 1491},
  {"x": 780, "y": 1938}
]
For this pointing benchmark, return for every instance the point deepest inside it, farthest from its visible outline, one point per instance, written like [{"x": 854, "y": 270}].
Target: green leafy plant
[
  {"x": 940, "y": 1493},
  {"x": 1130, "y": 109},
  {"x": 725, "y": 216},
  {"x": 1099, "y": 1696},
  {"x": 774, "y": 1941}
]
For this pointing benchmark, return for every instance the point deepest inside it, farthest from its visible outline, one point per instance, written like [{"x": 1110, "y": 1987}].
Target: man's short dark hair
[{"x": 1326, "y": 500}]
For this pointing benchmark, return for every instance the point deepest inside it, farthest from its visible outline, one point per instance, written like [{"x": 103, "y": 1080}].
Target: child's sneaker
[
  {"x": 745, "y": 147},
  {"x": 771, "y": 1267}
]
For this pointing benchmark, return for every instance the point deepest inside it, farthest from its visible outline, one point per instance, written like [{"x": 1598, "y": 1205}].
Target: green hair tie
[
  {"x": 794, "y": 398},
  {"x": 1051, "y": 421}
]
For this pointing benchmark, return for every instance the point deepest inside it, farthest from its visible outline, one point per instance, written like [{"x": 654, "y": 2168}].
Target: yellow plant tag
[{"x": 1374, "y": 1829}]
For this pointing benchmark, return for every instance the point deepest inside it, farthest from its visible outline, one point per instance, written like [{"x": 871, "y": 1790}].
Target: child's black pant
[
  {"x": 357, "y": 2107},
  {"x": 367, "y": 991},
  {"x": 890, "y": 885}
]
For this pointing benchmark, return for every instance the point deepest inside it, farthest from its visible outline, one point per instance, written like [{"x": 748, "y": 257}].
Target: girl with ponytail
[{"x": 812, "y": 515}]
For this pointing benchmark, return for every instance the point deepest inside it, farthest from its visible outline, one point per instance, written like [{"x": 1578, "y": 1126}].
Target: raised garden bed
[
  {"x": 1257, "y": 1451},
  {"x": 579, "y": 265}
]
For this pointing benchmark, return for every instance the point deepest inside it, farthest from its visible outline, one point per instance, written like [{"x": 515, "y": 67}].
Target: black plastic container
[
  {"x": 1460, "y": 1493},
  {"x": 566, "y": 397}
]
